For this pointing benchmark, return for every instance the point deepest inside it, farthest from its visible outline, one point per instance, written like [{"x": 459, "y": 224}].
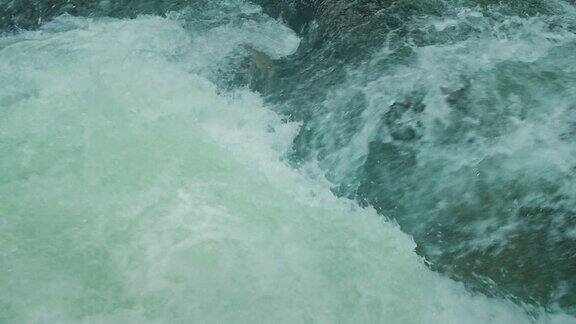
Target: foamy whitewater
[{"x": 133, "y": 189}]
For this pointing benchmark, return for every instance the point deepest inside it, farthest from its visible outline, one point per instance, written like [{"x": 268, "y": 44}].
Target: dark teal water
[{"x": 456, "y": 119}]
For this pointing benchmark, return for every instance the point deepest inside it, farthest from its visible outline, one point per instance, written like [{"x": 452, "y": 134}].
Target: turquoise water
[{"x": 135, "y": 189}]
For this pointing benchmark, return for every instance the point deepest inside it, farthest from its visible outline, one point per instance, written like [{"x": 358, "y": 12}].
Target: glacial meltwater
[{"x": 287, "y": 161}]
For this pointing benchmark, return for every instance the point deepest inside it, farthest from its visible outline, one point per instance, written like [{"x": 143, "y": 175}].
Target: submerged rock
[{"x": 257, "y": 71}]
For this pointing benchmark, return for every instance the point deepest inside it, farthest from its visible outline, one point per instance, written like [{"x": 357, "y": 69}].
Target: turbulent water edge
[
  {"x": 289, "y": 161},
  {"x": 455, "y": 118}
]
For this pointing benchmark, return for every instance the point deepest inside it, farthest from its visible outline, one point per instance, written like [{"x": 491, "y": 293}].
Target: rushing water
[
  {"x": 346, "y": 162},
  {"x": 459, "y": 123}
]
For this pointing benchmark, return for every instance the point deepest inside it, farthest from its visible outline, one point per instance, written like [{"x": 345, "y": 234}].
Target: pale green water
[{"x": 132, "y": 190}]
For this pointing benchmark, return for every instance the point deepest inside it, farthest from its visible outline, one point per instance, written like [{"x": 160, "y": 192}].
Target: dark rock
[{"x": 257, "y": 71}]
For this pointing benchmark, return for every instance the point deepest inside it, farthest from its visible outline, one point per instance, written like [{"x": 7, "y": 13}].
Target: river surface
[{"x": 294, "y": 161}]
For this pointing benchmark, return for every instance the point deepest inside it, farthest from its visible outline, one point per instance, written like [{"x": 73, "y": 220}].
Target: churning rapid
[{"x": 291, "y": 161}]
